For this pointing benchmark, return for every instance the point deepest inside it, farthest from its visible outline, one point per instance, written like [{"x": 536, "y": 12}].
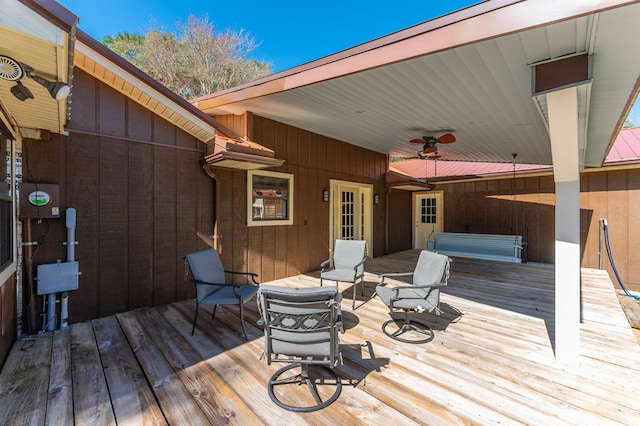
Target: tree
[{"x": 194, "y": 62}]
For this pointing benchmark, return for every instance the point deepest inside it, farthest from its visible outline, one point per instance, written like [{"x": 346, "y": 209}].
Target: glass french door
[{"x": 351, "y": 212}]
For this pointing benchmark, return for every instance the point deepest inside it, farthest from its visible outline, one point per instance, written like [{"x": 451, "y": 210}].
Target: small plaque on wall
[{"x": 39, "y": 201}]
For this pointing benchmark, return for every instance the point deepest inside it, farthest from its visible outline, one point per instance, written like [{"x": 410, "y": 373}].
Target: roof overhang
[
  {"x": 228, "y": 151},
  {"x": 40, "y": 34},
  {"x": 239, "y": 154},
  {"x": 469, "y": 73},
  {"x": 395, "y": 179},
  {"x": 112, "y": 70}
]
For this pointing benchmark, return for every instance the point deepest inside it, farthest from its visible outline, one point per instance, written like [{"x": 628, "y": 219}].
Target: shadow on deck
[{"x": 491, "y": 361}]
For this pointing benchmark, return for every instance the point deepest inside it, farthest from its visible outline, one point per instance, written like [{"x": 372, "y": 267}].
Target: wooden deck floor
[{"x": 491, "y": 362}]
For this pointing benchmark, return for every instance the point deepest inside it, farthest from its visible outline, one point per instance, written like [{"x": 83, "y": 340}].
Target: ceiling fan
[{"x": 429, "y": 149}]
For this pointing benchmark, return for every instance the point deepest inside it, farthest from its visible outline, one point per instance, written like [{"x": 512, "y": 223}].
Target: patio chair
[
  {"x": 346, "y": 264},
  {"x": 301, "y": 329},
  {"x": 211, "y": 288},
  {"x": 430, "y": 275}
]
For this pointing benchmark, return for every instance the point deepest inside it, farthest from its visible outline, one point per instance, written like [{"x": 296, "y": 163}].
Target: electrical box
[
  {"x": 57, "y": 277},
  {"x": 39, "y": 201}
]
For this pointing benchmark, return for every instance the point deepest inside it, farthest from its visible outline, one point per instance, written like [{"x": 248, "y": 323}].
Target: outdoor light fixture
[
  {"x": 57, "y": 89},
  {"x": 376, "y": 199},
  {"x": 21, "y": 91},
  {"x": 325, "y": 195},
  {"x": 12, "y": 70}
]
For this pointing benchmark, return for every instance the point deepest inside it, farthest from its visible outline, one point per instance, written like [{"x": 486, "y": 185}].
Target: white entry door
[
  {"x": 351, "y": 217},
  {"x": 427, "y": 216}
]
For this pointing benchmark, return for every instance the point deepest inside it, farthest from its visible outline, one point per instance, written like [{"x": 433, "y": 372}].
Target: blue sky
[{"x": 290, "y": 33}]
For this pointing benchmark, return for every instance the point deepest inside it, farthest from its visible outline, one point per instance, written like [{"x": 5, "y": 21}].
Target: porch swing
[
  {"x": 431, "y": 238},
  {"x": 520, "y": 242},
  {"x": 506, "y": 248}
]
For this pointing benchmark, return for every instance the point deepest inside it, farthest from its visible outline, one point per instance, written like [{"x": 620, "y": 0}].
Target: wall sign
[{"x": 39, "y": 198}]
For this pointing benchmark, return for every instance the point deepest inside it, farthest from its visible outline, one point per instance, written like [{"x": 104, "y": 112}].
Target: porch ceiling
[
  {"x": 468, "y": 73},
  {"x": 42, "y": 38}
]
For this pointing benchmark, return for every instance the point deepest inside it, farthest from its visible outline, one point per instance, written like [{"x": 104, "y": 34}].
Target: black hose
[{"x": 613, "y": 265}]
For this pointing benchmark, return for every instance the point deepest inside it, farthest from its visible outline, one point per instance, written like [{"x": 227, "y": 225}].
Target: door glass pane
[
  {"x": 428, "y": 210},
  {"x": 347, "y": 229}
]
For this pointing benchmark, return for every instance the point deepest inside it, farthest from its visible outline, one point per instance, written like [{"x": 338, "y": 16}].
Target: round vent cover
[{"x": 10, "y": 69}]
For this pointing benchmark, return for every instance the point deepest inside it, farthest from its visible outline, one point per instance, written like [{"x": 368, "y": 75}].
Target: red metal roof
[
  {"x": 429, "y": 168},
  {"x": 626, "y": 149}
]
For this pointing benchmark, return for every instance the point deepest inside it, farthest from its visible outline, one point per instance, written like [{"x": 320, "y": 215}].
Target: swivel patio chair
[
  {"x": 301, "y": 329},
  {"x": 346, "y": 264},
  {"x": 430, "y": 275},
  {"x": 211, "y": 288}
]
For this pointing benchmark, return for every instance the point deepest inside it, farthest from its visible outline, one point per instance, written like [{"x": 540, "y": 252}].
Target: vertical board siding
[
  {"x": 488, "y": 207},
  {"x": 140, "y": 206},
  {"x": 113, "y": 199},
  {"x": 400, "y": 220},
  {"x": 8, "y": 324},
  {"x": 281, "y": 251},
  {"x": 165, "y": 229}
]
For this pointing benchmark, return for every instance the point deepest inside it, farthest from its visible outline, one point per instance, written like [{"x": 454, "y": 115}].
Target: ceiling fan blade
[
  {"x": 434, "y": 157},
  {"x": 420, "y": 141},
  {"x": 447, "y": 138},
  {"x": 429, "y": 150}
]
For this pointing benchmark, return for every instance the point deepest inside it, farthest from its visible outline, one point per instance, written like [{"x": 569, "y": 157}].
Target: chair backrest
[
  {"x": 348, "y": 253},
  {"x": 206, "y": 266},
  {"x": 300, "y": 323},
  {"x": 432, "y": 268}
]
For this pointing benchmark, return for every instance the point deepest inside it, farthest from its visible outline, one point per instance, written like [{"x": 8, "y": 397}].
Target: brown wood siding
[
  {"x": 488, "y": 207},
  {"x": 141, "y": 196},
  {"x": 400, "y": 220},
  {"x": 8, "y": 317},
  {"x": 281, "y": 251}
]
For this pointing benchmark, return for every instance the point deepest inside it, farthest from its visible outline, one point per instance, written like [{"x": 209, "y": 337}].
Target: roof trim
[
  {"x": 479, "y": 22},
  {"x": 54, "y": 12}
]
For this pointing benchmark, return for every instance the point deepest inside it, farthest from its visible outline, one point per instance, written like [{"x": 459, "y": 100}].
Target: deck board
[
  {"x": 491, "y": 361},
  {"x": 129, "y": 392},
  {"x": 60, "y": 395}
]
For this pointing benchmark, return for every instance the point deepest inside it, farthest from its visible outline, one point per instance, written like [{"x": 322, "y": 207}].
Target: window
[
  {"x": 6, "y": 205},
  {"x": 269, "y": 198},
  {"x": 428, "y": 210}
]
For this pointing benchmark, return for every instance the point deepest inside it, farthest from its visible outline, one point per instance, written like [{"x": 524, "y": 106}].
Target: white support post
[{"x": 563, "y": 129}]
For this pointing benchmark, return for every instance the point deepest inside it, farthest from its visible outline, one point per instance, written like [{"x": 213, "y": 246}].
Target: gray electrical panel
[{"x": 57, "y": 277}]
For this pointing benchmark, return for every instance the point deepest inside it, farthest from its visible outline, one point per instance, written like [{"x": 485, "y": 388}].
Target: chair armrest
[
  {"x": 339, "y": 323},
  {"x": 398, "y": 274},
  {"x": 429, "y": 286},
  {"x": 251, "y": 274},
  {"x": 364, "y": 259},
  {"x": 233, "y": 286},
  {"x": 412, "y": 287},
  {"x": 325, "y": 263}
]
